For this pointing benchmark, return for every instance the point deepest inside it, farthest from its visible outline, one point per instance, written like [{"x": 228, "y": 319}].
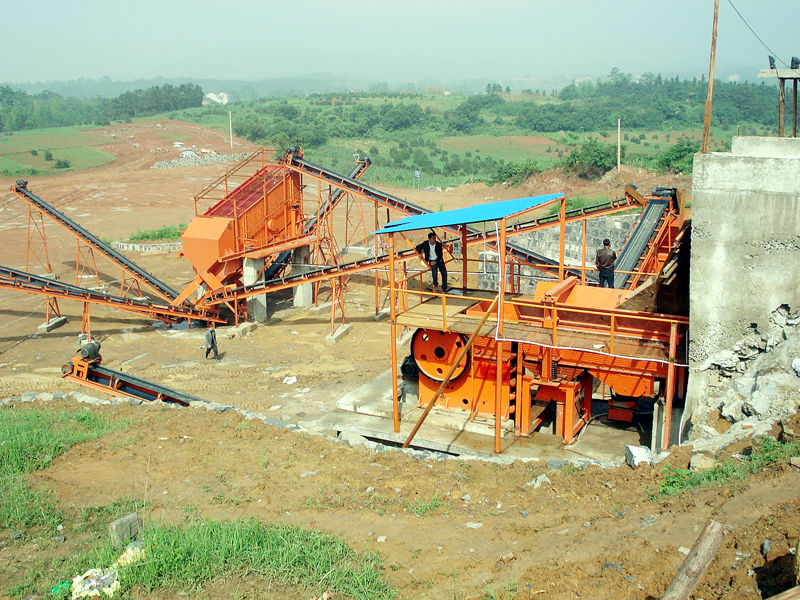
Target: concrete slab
[
  {"x": 323, "y": 307},
  {"x": 381, "y": 315},
  {"x": 340, "y": 332},
  {"x": 53, "y": 323},
  {"x": 362, "y": 250},
  {"x": 367, "y": 411}
]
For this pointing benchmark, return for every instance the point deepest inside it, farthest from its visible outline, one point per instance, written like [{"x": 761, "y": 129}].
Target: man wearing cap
[{"x": 604, "y": 261}]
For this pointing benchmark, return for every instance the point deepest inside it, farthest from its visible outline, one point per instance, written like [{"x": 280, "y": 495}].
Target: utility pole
[
  {"x": 619, "y": 143},
  {"x": 710, "y": 95}
]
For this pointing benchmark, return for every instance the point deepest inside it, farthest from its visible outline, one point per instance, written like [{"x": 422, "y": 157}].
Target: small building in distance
[{"x": 215, "y": 98}]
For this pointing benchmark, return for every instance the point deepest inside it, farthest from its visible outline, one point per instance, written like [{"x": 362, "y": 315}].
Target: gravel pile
[{"x": 197, "y": 161}]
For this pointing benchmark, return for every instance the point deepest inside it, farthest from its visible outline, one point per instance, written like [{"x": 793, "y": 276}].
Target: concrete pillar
[
  {"x": 256, "y": 305},
  {"x": 303, "y": 293}
]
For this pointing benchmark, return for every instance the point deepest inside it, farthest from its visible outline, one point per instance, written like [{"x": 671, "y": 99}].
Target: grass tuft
[
  {"x": 166, "y": 232},
  {"x": 421, "y": 507},
  {"x": 766, "y": 453}
]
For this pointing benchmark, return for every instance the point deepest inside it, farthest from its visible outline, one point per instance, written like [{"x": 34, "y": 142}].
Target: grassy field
[
  {"x": 23, "y": 152},
  {"x": 82, "y": 148},
  {"x": 543, "y": 149},
  {"x": 179, "y": 557},
  {"x": 31, "y": 441}
]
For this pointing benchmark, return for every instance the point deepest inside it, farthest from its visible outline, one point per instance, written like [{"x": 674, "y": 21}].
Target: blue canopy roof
[{"x": 488, "y": 211}]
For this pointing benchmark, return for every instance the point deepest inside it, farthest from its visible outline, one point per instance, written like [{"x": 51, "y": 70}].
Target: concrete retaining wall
[
  {"x": 745, "y": 260},
  {"x": 137, "y": 247},
  {"x": 546, "y": 241}
]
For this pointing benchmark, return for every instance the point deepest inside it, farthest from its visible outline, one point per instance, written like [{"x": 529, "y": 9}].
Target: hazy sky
[{"x": 534, "y": 40}]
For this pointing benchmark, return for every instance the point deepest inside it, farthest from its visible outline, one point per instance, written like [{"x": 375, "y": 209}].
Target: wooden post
[
  {"x": 794, "y": 108},
  {"x": 86, "y": 322},
  {"x": 710, "y": 94},
  {"x": 790, "y": 594},
  {"x": 697, "y": 561},
  {"x": 781, "y": 104}
]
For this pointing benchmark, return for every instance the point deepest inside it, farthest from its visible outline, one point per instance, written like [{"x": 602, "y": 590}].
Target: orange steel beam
[
  {"x": 205, "y": 194},
  {"x": 270, "y": 249},
  {"x": 40, "y": 256},
  {"x": 32, "y": 284},
  {"x": 91, "y": 241},
  {"x": 222, "y": 294},
  {"x": 632, "y": 199},
  {"x": 659, "y": 249}
]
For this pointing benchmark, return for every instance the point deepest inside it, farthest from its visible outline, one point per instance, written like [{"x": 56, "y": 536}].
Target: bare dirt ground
[{"x": 589, "y": 533}]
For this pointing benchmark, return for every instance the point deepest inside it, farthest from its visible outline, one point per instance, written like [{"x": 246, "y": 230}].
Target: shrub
[
  {"x": 513, "y": 173},
  {"x": 62, "y": 164},
  {"x": 678, "y": 158},
  {"x": 591, "y": 159},
  {"x": 48, "y": 155}
]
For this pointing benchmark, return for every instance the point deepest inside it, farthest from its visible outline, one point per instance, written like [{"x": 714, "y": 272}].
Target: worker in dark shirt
[
  {"x": 431, "y": 253},
  {"x": 211, "y": 341},
  {"x": 604, "y": 261}
]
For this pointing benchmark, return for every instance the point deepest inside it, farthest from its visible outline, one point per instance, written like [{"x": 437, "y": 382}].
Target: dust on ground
[{"x": 589, "y": 533}]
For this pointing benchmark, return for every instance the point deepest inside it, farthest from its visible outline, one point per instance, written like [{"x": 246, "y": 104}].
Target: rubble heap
[{"x": 751, "y": 385}]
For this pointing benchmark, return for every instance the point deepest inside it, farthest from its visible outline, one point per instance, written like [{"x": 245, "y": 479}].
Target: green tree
[
  {"x": 591, "y": 159},
  {"x": 679, "y": 157}
]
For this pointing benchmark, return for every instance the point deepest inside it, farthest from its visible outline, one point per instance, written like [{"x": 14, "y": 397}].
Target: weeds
[
  {"x": 421, "y": 508},
  {"x": 183, "y": 557},
  {"x": 507, "y": 592},
  {"x": 572, "y": 469},
  {"x": 89, "y": 516},
  {"x": 166, "y": 232},
  {"x": 766, "y": 453},
  {"x": 31, "y": 440}
]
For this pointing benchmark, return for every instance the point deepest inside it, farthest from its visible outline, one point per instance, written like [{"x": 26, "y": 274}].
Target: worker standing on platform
[
  {"x": 432, "y": 254},
  {"x": 211, "y": 341},
  {"x": 604, "y": 261}
]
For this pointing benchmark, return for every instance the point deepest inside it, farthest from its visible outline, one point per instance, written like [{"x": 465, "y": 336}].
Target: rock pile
[
  {"x": 751, "y": 385},
  {"x": 195, "y": 161}
]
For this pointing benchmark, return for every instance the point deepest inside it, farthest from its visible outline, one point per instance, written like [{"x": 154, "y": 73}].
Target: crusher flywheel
[{"x": 436, "y": 351}]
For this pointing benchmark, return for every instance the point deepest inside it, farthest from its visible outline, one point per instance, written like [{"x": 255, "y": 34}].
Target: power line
[{"x": 755, "y": 34}]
